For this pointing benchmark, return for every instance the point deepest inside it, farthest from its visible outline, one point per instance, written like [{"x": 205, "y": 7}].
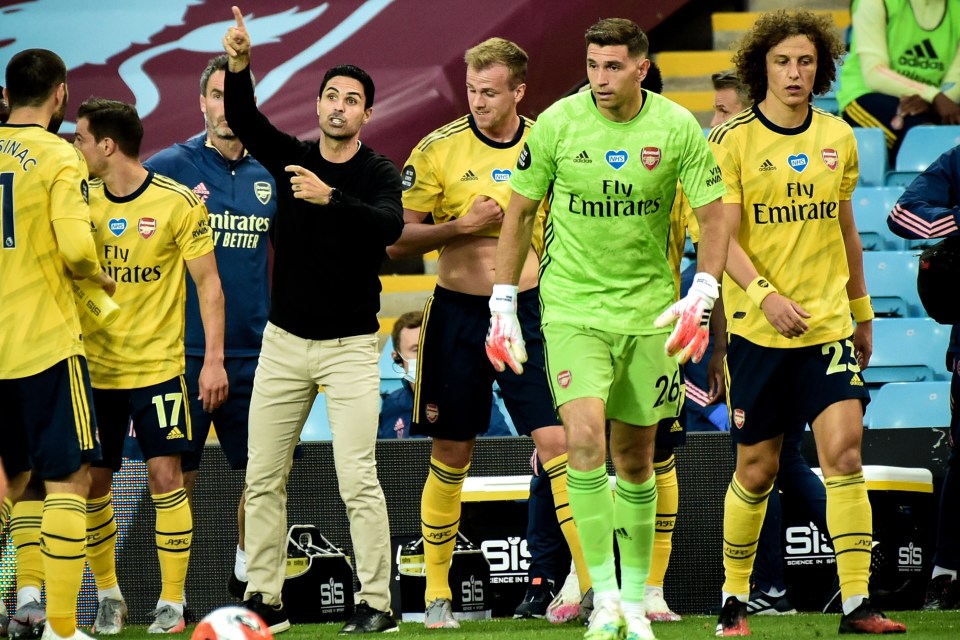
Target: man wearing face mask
[{"x": 396, "y": 413}]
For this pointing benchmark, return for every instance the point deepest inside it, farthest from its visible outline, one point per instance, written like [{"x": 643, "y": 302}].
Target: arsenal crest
[
  {"x": 650, "y": 156},
  {"x": 739, "y": 417},
  {"x": 432, "y": 413},
  {"x": 563, "y": 378},
  {"x": 263, "y": 190},
  {"x": 146, "y": 227},
  {"x": 829, "y": 158}
]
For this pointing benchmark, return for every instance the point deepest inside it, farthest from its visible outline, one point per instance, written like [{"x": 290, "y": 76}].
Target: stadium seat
[
  {"x": 872, "y": 151},
  {"x": 317, "y": 426},
  {"x": 871, "y": 205},
  {"x": 910, "y": 404},
  {"x": 892, "y": 282},
  {"x": 907, "y": 350},
  {"x": 921, "y": 146}
]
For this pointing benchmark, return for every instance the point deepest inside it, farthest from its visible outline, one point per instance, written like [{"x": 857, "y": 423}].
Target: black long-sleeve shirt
[{"x": 325, "y": 282}]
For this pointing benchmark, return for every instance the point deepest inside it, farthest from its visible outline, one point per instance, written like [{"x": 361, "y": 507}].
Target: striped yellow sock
[
  {"x": 25, "y": 521},
  {"x": 850, "y": 521},
  {"x": 62, "y": 544},
  {"x": 174, "y": 536},
  {"x": 102, "y": 541},
  {"x": 439, "y": 523},
  {"x": 5, "y": 508},
  {"x": 742, "y": 519},
  {"x": 556, "y": 470},
  {"x": 668, "y": 502}
]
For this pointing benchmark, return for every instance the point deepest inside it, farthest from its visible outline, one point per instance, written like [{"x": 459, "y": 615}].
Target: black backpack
[{"x": 938, "y": 276}]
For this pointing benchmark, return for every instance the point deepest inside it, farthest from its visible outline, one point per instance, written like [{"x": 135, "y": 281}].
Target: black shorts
[
  {"x": 775, "y": 391},
  {"x": 47, "y": 421},
  {"x": 161, "y": 420},
  {"x": 229, "y": 419},
  {"x": 455, "y": 377},
  {"x": 672, "y": 432}
]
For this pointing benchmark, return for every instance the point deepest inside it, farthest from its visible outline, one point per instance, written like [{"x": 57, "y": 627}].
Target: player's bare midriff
[{"x": 468, "y": 265}]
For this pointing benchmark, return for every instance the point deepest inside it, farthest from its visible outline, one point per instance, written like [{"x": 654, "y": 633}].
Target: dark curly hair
[{"x": 771, "y": 29}]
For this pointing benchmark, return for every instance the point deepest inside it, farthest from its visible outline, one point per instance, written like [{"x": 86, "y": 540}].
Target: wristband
[
  {"x": 759, "y": 289},
  {"x": 504, "y": 298},
  {"x": 861, "y": 309}
]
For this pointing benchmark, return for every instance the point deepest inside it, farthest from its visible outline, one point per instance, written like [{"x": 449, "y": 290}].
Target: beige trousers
[{"x": 284, "y": 388}]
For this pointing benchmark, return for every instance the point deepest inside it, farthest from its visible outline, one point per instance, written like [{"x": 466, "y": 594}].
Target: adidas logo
[
  {"x": 856, "y": 381},
  {"x": 767, "y": 166},
  {"x": 921, "y": 56},
  {"x": 468, "y": 176},
  {"x": 582, "y": 158},
  {"x": 174, "y": 434},
  {"x": 622, "y": 533}
]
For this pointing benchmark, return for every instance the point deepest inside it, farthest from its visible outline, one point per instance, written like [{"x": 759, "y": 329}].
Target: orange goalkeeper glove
[
  {"x": 504, "y": 339},
  {"x": 691, "y": 335}
]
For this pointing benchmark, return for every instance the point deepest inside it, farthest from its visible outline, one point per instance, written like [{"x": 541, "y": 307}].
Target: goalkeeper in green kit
[{"x": 610, "y": 159}]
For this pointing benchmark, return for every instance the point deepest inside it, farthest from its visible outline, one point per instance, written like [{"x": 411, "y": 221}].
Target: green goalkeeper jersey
[{"x": 611, "y": 187}]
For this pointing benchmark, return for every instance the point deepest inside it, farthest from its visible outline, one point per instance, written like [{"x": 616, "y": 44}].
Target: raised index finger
[{"x": 238, "y": 15}]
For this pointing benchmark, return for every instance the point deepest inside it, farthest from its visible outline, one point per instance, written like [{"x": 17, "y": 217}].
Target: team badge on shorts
[
  {"x": 739, "y": 417},
  {"x": 829, "y": 158},
  {"x": 432, "y": 413},
  {"x": 146, "y": 227},
  {"x": 563, "y": 378},
  {"x": 650, "y": 156}
]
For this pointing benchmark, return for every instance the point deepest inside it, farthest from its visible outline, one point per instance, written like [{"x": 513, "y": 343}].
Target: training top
[
  {"x": 144, "y": 240},
  {"x": 612, "y": 187},
  {"x": 241, "y": 200},
  {"x": 789, "y": 184},
  {"x": 889, "y": 34},
  {"x": 42, "y": 179},
  {"x": 326, "y": 258},
  {"x": 455, "y": 164}
]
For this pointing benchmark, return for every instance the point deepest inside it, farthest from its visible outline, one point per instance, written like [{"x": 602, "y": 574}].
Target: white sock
[
  {"x": 851, "y": 603},
  {"x": 653, "y": 591},
  {"x": 176, "y": 605},
  {"x": 776, "y": 593},
  {"x": 940, "y": 571},
  {"x": 599, "y": 597},
  {"x": 240, "y": 565},
  {"x": 113, "y": 592},
  {"x": 633, "y": 608},
  {"x": 724, "y": 595},
  {"x": 27, "y": 595}
]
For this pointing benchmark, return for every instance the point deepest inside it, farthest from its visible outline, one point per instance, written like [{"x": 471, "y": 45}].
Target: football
[{"x": 232, "y": 623}]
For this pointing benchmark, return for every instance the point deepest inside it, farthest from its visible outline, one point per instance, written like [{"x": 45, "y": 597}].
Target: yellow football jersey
[
  {"x": 453, "y": 165},
  {"x": 42, "y": 179},
  {"x": 789, "y": 184},
  {"x": 143, "y": 240},
  {"x": 682, "y": 222}
]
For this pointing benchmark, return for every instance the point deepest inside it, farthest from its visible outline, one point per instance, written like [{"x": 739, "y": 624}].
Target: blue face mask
[{"x": 410, "y": 372}]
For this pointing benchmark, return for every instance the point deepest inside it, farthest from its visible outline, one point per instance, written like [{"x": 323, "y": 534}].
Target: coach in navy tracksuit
[
  {"x": 241, "y": 198},
  {"x": 930, "y": 209}
]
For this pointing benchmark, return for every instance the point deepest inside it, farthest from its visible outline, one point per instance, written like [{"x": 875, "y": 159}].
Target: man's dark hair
[
  {"x": 116, "y": 120},
  {"x": 351, "y": 71},
  {"x": 218, "y": 63},
  {"x": 4, "y": 109},
  {"x": 771, "y": 29},
  {"x": 728, "y": 79},
  {"x": 32, "y": 75},
  {"x": 611, "y": 32},
  {"x": 409, "y": 320}
]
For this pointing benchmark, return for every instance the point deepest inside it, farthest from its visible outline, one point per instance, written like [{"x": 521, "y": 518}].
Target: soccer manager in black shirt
[{"x": 338, "y": 209}]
